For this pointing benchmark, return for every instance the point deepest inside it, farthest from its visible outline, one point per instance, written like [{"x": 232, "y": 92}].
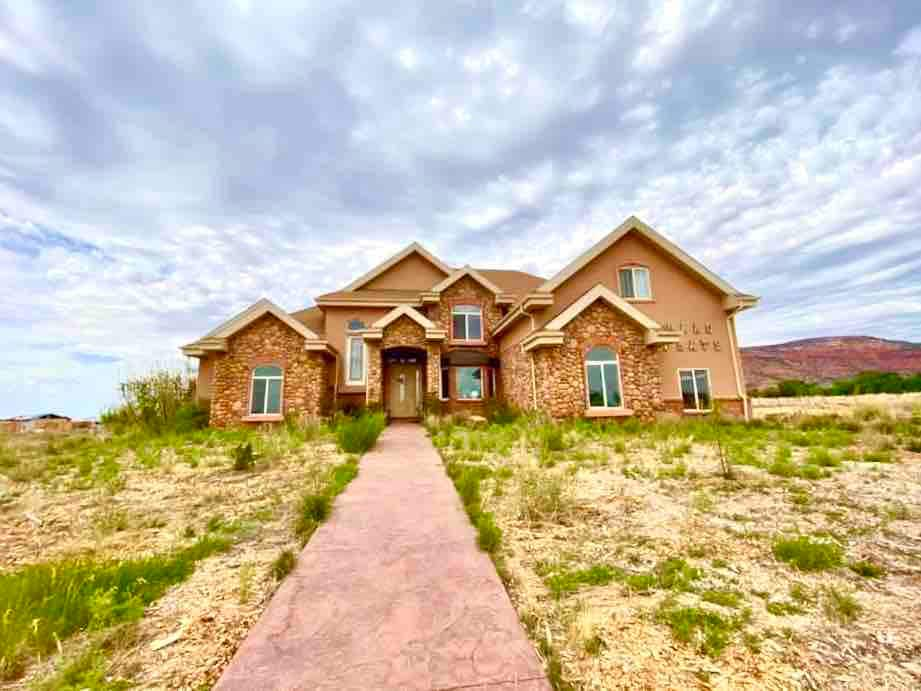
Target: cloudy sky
[{"x": 163, "y": 165}]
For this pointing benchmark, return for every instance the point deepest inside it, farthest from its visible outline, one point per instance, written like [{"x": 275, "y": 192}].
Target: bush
[
  {"x": 807, "y": 555},
  {"x": 543, "y": 495},
  {"x": 867, "y": 569},
  {"x": 284, "y": 564},
  {"x": 190, "y": 417},
  {"x": 358, "y": 435},
  {"x": 498, "y": 412},
  {"x": 243, "y": 457},
  {"x": 489, "y": 535},
  {"x": 152, "y": 402},
  {"x": 840, "y": 607}
]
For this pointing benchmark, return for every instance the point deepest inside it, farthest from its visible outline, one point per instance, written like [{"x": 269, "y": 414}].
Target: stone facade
[
  {"x": 559, "y": 371},
  {"x": 515, "y": 374},
  {"x": 466, "y": 291},
  {"x": 730, "y": 407},
  {"x": 403, "y": 332},
  {"x": 268, "y": 341}
]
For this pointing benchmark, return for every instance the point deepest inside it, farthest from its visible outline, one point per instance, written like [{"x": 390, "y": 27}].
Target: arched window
[
  {"x": 266, "y": 396},
  {"x": 602, "y": 372}
]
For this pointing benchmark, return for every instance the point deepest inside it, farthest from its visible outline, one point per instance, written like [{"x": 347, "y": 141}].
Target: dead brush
[{"x": 544, "y": 495}]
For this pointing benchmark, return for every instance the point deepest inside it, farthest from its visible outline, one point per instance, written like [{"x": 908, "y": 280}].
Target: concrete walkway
[{"x": 391, "y": 593}]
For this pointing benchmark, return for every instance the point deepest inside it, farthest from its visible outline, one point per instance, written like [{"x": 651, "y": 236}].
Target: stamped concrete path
[{"x": 391, "y": 593}]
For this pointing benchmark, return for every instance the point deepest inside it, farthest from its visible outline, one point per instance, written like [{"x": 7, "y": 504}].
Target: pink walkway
[{"x": 391, "y": 593}]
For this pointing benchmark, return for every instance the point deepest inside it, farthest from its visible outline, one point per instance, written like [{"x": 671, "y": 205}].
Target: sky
[{"x": 164, "y": 165}]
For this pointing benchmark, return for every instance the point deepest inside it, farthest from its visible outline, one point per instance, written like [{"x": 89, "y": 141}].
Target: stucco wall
[
  {"x": 413, "y": 273},
  {"x": 337, "y": 318},
  {"x": 268, "y": 341},
  {"x": 679, "y": 299}
]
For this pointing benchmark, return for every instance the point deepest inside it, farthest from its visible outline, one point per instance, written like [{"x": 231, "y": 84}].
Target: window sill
[
  {"x": 469, "y": 400},
  {"x": 272, "y": 417},
  {"x": 694, "y": 411},
  {"x": 467, "y": 343},
  {"x": 640, "y": 299},
  {"x": 608, "y": 412}
]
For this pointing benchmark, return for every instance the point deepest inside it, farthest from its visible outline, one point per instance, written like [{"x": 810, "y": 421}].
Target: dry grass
[
  {"x": 645, "y": 577},
  {"x": 143, "y": 507}
]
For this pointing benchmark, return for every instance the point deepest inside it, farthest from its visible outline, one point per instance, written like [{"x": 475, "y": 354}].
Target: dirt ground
[
  {"x": 187, "y": 636},
  {"x": 896, "y": 404},
  {"x": 628, "y": 501}
]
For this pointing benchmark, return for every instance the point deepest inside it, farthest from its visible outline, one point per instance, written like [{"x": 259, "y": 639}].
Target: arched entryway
[{"x": 404, "y": 381}]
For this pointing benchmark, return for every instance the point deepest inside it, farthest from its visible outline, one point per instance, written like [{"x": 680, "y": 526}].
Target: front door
[{"x": 404, "y": 387}]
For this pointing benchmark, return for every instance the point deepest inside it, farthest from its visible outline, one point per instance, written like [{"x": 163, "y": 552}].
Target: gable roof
[
  {"x": 413, "y": 248},
  {"x": 466, "y": 270},
  {"x": 511, "y": 281},
  {"x": 252, "y": 313},
  {"x": 634, "y": 224},
  {"x": 313, "y": 318}
]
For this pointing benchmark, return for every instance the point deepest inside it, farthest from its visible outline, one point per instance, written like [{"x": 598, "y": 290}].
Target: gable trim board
[
  {"x": 432, "y": 332},
  {"x": 414, "y": 247},
  {"x": 552, "y": 333},
  {"x": 216, "y": 340},
  {"x": 466, "y": 271}
]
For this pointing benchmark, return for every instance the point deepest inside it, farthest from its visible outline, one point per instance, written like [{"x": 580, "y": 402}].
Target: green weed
[{"x": 807, "y": 555}]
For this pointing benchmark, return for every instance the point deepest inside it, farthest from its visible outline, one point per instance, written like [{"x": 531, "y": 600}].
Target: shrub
[
  {"x": 243, "y": 457},
  {"x": 840, "y": 607},
  {"x": 152, "y": 402},
  {"x": 723, "y": 598},
  {"x": 782, "y": 609},
  {"x": 489, "y": 535},
  {"x": 543, "y": 495},
  {"x": 821, "y": 456},
  {"x": 284, "y": 564},
  {"x": 867, "y": 569},
  {"x": 806, "y": 555},
  {"x": 359, "y": 434},
  {"x": 708, "y": 631},
  {"x": 498, "y": 412},
  {"x": 314, "y": 509},
  {"x": 877, "y": 456}
]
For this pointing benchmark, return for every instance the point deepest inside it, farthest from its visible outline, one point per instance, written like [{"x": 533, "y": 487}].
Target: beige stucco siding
[
  {"x": 337, "y": 318},
  {"x": 413, "y": 273},
  {"x": 204, "y": 378},
  {"x": 679, "y": 299}
]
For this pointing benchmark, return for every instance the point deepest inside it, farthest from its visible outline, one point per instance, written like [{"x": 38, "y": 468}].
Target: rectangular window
[
  {"x": 266, "y": 392},
  {"x": 356, "y": 361},
  {"x": 467, "y": 323},
  {"x": 469, "y": 383},
  {"x": 445, "y": 383},
  {"x": 634, "y": 283},
  {"x": 695, "y": 389},
  {"x": 602, "y": 370}
]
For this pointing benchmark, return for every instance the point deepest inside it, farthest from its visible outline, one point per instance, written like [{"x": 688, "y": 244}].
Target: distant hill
[{"x": 823, "y": 360}]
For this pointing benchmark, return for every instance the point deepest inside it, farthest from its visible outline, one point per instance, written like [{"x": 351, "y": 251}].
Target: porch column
[{"x": 373, "y": 388}]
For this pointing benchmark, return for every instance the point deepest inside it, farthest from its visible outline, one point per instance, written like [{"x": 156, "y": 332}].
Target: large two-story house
[{"x": 632, "y": 327}]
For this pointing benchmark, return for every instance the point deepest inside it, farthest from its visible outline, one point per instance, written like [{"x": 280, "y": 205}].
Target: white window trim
[
  {"x": 692, "y": 370},
  {"x": 467, "y": 316},
  {"x": 350, "y": 339},
  {"x": 441, "y": 382},
  {"x": 265, "y": 401},
  {"x": 482, "y": 383},
  {"x": 633, "y": 270},
  {"x": 604, "y": 388}
]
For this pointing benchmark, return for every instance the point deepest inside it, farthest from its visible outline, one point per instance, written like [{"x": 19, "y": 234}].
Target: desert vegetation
[
  {"x": 140, "y": 556},
  {"x": 863, "y": 383},
  {"x": 781, "y": 553}
]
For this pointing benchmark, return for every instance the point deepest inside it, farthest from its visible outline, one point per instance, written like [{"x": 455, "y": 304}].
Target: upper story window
[
  {"x": 602, "y": 372},
  {"x": 266, "y": 393},
  {"x": 467, "y": 323},
  {"x": 695, "y": 389},
  {"x": 634, "y": 283}
]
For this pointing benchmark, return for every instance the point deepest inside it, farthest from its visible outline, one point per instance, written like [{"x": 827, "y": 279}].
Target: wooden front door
[{"x": 404, "y": 386}]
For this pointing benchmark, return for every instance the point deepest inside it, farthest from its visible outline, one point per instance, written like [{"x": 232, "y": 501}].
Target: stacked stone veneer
[
  {"x": 560, "y": 370},
  {"x": 466, "y": 291},
  {"x": 405, "y": 333},
  {"x": 268, "y": 341}
]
